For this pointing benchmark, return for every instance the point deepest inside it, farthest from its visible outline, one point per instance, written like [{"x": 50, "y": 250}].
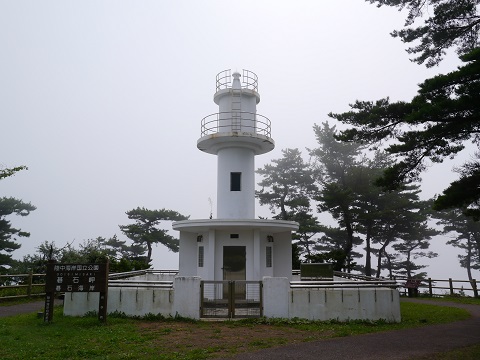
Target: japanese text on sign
[{"x": 76, "y": 277}]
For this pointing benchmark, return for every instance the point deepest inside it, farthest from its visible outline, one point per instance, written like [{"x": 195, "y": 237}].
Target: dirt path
[
  {"x": 399, "y": 344},
  {"x": 31, "y": 307}
]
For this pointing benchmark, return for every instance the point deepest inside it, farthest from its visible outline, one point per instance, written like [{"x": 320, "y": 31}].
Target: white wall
[
  {"x": 280, "y": 301},
  {"x": 345, "y": 304},
  {"x": 329, "y": 304},
  {"x": 187, "y": 297},
  {"x": 275, "y": 297},
  {"x": 130, "y": 301},
  {"x": 282, "y": 259},
  {"x": 188, "y": 252},
  {"x": 236, "y": 204}
]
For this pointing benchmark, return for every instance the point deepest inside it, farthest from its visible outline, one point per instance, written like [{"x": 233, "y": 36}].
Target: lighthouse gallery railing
[{"x": 240, "y": 121}]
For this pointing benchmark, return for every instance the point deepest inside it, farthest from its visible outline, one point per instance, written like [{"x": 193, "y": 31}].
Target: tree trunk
[
  {"x": 349, "y": 243},
  {"x": 468, "y": 260},
  {"x": 307, "y": 247},
  {"x": 379, "y": 260},
  {"x": 368, "y": 260},
  {"x": 389, "y": 266},
  {"x": 408, "y": 268},
  {"x": 283, "y": 211},
  {"x": 149, "y": 253}
]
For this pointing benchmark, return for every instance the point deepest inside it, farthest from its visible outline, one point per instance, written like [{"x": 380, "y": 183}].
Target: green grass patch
[
  {"x": 21, "y": 300},
  {"x": 466, "y": 353},
  {"x": 419, "y": 314},
  {"x": 456, "y": 299},
  {"x": 21, "y": 290},
  {"x": 155, "y": 337}
]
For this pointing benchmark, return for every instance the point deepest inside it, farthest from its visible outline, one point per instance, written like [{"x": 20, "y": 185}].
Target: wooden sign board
[{"x": 76, "y": 278}]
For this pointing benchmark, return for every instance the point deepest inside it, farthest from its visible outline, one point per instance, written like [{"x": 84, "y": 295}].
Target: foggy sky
[{"x": 102, "y": 100}]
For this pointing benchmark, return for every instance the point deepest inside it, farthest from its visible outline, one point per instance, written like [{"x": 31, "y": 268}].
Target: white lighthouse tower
[
  {"x": 235, "y": 246},
  {"x": 236, "y": 134}
]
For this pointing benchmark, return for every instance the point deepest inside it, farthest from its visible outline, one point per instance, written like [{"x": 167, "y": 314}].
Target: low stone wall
[
  {"x": 183, "y": 300},
  {"x": 330, "y": 304},
  {"x": 132, "y": 302},
  {"x": 280, "y": 300},
  {"x": 345, "y": 304}
]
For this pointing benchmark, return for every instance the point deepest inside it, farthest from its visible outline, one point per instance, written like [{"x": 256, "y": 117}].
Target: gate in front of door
[{"x": 231, "y": 299}]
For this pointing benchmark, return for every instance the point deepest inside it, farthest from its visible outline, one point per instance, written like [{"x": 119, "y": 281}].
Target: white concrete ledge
[{"x": 273, "y": 226}]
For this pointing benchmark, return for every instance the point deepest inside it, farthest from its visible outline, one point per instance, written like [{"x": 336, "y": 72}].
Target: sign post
[{"x": 76, "y": 278}]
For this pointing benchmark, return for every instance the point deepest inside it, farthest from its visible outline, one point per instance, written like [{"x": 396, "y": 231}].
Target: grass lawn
[
  {"x": 457, "y": 299},
  {"x": 27, "y": 337},
  {"x": 468, "y": 353}
]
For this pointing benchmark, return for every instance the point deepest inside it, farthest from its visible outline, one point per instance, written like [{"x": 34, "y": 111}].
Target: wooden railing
[
  {"x": 432, "y": 287},
  {"x": 34, "y": 284},
  {"x": 27, "y": 285},
  {"x": 446, "y": 286}
]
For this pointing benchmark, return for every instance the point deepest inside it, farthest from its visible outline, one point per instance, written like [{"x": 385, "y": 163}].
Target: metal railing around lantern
[
  {"x": 241, "y": 122},
  {"x": 249, "y": 80}
]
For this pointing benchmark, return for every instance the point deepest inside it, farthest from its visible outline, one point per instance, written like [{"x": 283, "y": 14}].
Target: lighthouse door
[{"x": 234, "y": 264}]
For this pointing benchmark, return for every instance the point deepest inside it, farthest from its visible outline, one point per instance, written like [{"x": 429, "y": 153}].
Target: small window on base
[
  {"x": 201, "y": 256},
  {"x": 268, "y": 259}
]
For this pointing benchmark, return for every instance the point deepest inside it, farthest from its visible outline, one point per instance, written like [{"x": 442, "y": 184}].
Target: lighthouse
[
  {"x": 236, "y": 134},
  {"x": 235, "y": 245},
  {"x": 235, "y": 265}
]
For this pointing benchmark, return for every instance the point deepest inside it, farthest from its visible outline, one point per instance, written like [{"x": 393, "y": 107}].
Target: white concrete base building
[{"x": 227, "y": 249}]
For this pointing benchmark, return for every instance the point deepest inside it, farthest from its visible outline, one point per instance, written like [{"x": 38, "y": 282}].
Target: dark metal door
[{"x": 234, "y": 269}]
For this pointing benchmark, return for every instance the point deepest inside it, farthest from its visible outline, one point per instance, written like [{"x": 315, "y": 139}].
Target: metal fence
[
  {"x": 231, "y": 299},
  {"x": 239, "y": 121}
]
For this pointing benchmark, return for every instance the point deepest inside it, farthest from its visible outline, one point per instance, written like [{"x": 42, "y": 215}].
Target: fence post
[
  {"x": 30, "y": 281},
  {"x": 231, "y": 299},
  {"x": 451, "y": 286},
  {"x": 474, "y": 288},
  {"x": 430, "y": 286}
]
